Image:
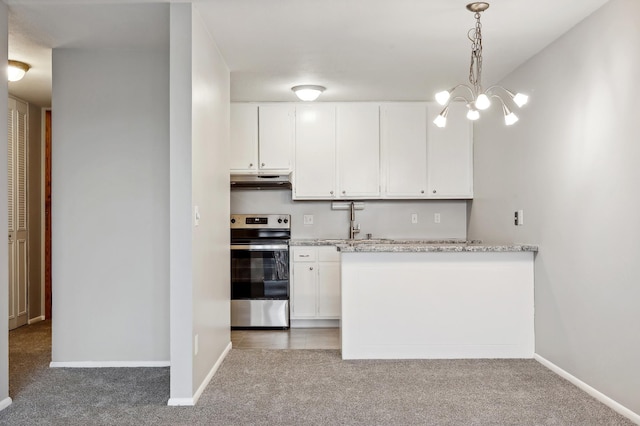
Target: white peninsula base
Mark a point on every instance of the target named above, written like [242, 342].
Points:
[438, 305]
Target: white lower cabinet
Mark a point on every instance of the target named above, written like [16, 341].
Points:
[315, 283]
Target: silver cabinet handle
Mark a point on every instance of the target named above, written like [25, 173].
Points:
[311, 268]
[344, 192]
[262, 164]
[250, 164]
[304, 255]
[331, 192]
[422, 192]
[434, 191]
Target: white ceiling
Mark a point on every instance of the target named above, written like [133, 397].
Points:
[358, 49]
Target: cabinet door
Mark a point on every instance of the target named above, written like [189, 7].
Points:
[358, 150]
[315, 167]
[303, 289]
[329, 289]
[244, 137]
[276, 133]
[450, 154]
[404, 150]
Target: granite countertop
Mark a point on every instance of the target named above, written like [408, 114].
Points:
[413, 246]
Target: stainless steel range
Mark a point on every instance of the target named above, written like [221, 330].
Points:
[260, 271]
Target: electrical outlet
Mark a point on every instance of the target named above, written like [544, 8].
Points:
[307, 219]
[195, 345]
[414, 217]
[436, 217]
[518, 218]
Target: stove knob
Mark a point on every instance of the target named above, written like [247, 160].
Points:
[279, 220]
[233, 221]
[286, 221]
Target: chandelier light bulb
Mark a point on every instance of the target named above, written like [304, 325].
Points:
[473, 114]
[483, 102]
[520, 99]
[443, 97]
[441, 119]
[509, 117]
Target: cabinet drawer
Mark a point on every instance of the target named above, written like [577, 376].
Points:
[328, 254]
[304, 255]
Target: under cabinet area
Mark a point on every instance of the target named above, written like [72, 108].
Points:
[262, 138]
[315, 284]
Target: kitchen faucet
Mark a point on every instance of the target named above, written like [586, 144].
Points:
[353, 228]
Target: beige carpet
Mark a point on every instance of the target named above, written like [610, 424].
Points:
[299, 387]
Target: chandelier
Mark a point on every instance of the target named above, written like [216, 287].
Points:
[478, 99]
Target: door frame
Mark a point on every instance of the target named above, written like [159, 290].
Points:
[45, 217]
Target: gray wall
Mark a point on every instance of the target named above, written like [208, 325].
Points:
[381, 218]
[571, 163]
[35, 212]
[4, 260]
[199, 177]
[110, 199]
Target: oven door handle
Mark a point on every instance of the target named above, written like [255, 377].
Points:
[259, 247]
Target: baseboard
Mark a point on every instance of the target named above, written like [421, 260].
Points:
[5, 403]
[194, 400]
[35, 320]
[108, 364]
[615, 406]
[315, 323]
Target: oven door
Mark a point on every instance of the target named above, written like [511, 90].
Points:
[260, 270]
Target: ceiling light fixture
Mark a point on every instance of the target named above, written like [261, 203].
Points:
[17, 70]
[480, 99]
[308, 92]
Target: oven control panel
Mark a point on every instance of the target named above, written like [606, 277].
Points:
[256, 221]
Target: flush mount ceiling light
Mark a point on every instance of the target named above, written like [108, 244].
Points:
[308, 92]
[17, 70]
[479, 99]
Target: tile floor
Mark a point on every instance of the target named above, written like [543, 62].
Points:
[294, 338]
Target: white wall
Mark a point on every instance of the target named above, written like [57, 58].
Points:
[199, 177]
[110, 216]
[4, 260]
[571, 163]
[382, 219]
[211, 275]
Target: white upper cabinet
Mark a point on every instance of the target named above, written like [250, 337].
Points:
[404, 150]
[337, 151]
[358, 150]
[315, 152]
[421, 160]
[450, 153]
[262, 137]
[276, 136]
[244, 137]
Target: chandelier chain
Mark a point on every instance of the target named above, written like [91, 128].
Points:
[475, 69]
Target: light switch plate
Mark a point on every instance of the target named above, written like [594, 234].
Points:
[196, 216]
[307, 219]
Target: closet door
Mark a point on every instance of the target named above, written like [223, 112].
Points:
[17, 211]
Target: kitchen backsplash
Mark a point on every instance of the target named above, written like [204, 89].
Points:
[381, 218]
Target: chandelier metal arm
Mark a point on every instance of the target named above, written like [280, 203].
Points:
[466, 86]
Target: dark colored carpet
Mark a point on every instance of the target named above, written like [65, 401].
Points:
[297, 387]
